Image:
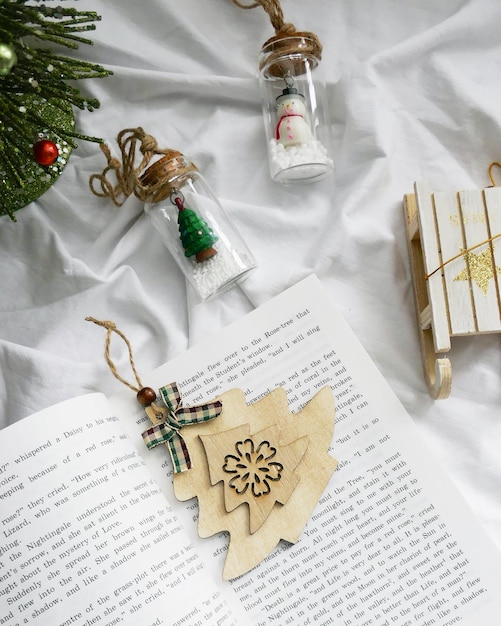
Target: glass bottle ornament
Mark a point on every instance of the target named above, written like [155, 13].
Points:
[295, 108]
[193, 225]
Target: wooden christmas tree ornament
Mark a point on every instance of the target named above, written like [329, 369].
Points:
[456, 265]
[258, 472]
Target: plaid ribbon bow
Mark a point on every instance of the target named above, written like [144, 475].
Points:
[168, 431]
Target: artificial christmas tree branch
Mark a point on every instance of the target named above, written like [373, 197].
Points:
[35, 98]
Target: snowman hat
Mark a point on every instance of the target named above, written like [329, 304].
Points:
[288, 92]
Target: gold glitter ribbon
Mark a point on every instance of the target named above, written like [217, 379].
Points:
[491, 167]
[462, 253]
[478, 245]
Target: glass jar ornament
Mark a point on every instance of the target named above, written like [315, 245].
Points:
[193, 225]
[294, 101]
[183, 209]
[295, 110]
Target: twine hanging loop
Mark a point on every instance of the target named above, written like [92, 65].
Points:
[168, 418]
[287, 40]
[145, 395]
[139, 172]
[275, 13]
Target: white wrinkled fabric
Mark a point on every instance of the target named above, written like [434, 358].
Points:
[413, 93]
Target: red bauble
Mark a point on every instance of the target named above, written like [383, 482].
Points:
[45, 152]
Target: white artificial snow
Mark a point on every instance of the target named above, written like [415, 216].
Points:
[220, 272]
[308, 160]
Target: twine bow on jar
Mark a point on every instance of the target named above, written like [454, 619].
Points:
[287, 40]
[144, 180]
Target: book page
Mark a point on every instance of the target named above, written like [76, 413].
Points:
[86, 535]
[391, 540]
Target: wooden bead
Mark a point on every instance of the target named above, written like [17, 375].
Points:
[146, 396]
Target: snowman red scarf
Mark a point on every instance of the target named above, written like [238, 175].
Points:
[277, 127]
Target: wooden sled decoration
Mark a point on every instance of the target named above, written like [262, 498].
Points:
[258, 472]
[456, 267]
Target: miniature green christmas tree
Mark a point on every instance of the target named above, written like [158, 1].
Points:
[196, 236]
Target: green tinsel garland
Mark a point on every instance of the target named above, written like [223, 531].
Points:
[35, 99]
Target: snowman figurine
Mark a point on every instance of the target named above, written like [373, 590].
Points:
[291, 128]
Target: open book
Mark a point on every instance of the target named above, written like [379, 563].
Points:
[91, 532]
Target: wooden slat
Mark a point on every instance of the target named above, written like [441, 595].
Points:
[451, 238]
[413, 227]
[437, 371]
[492, 198]
[425, 318]
[481, 282]
[416, 257]
[432, 260]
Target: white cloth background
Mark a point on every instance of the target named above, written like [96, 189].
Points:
[413, 94]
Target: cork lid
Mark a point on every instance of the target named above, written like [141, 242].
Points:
[292, 52]
[166, 175]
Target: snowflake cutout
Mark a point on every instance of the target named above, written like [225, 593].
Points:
[253, 468]
[258, 472]
[249, 471]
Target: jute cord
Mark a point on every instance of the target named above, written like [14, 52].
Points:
[133, 143]
[275, 13]
[110, 329]
[283, 29]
